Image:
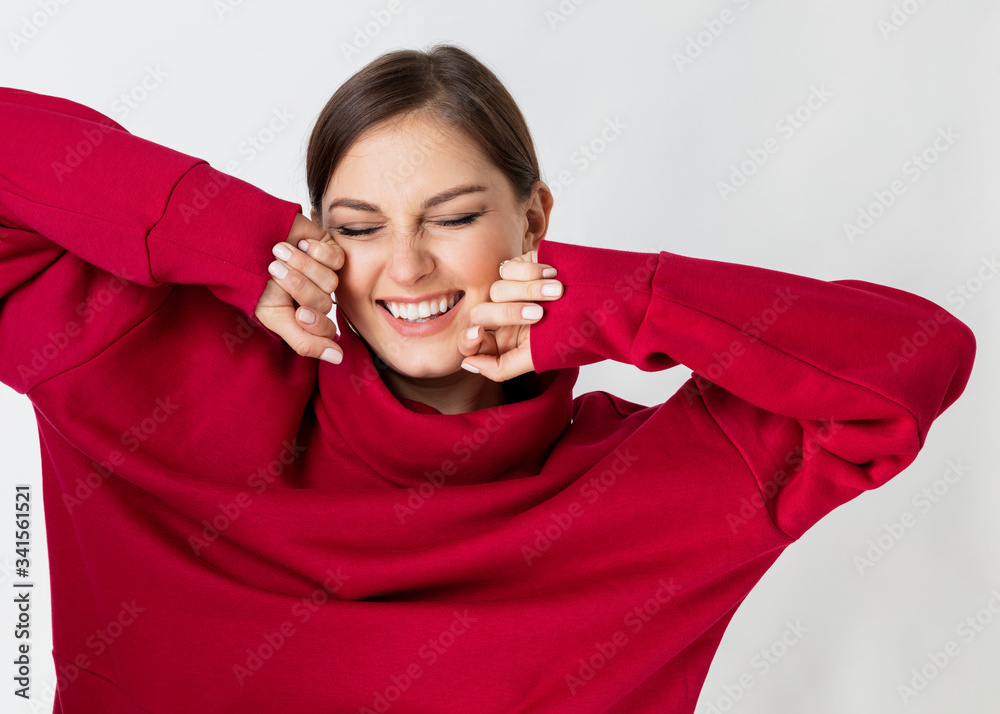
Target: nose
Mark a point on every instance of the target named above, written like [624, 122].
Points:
[409, 260]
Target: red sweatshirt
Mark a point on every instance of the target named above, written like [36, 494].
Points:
[235, 528]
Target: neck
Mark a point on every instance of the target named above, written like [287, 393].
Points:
[455, 393]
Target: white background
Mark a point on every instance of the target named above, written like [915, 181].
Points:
[224, 70]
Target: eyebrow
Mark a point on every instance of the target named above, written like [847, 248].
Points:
[442, 197]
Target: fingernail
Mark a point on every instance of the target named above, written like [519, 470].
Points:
[277, 270]
[531, 312]
[307, 317]
[281, 251]
[331, 355]
[549, 273]
[303, 245]
[472, 333]
[552, 289]
[470, 368]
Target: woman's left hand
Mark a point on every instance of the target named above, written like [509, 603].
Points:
[505, 351]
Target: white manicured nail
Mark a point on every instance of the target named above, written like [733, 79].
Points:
[531, 312]
[277, 270]
[331, 355]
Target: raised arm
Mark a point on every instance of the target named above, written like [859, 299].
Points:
[74, 181]
[827, 389]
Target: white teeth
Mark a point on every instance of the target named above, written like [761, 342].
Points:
[423, 310]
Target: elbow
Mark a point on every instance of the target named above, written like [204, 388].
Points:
[935, 365]
[961, 354]
[930, 363]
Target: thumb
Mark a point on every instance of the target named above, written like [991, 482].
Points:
[500, 368]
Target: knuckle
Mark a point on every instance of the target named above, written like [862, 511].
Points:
[331, 255]
[295, 282]
[325, 327]
[319, 302]
[299, 259]
[320, 252]
[302, 345]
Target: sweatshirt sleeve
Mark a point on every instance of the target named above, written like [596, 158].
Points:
[131, 207]
[73, 180]
[826, 388]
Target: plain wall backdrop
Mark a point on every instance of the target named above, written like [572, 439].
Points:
[849, 139]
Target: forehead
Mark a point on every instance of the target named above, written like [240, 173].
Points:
[410, 156]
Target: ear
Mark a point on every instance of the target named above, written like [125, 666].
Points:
[536, 211]
[312, 216]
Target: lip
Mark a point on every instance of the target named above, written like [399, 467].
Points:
[421, 329]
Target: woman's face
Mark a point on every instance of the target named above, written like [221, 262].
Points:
[422, 216]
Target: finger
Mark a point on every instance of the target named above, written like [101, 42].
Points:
[482, 342]
[315, 324]
[281, 321]
[492, 315]
[326, 251]
[471, 339]
[276, 311]
[525, 267]
[301, 287]
[523, 291]
[274, 296]
[500, 368]
[323, 273]
[303, 227]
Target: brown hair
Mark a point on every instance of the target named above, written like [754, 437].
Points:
[444, 81]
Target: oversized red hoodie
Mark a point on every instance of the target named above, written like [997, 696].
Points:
[235, 528]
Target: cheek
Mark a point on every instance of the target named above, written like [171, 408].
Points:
[483, 263]
[357, 276]
[476, 272]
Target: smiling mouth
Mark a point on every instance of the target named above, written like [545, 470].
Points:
[424, 311]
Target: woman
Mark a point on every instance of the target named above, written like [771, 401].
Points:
[235, 526]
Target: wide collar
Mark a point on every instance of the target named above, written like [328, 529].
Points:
[410, 443]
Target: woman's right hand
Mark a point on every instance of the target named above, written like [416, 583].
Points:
[305, 279]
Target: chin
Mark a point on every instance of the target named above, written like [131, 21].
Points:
[427, 365]
[435, 361]
[428, 370]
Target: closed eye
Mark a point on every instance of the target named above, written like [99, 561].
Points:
[463, 221]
